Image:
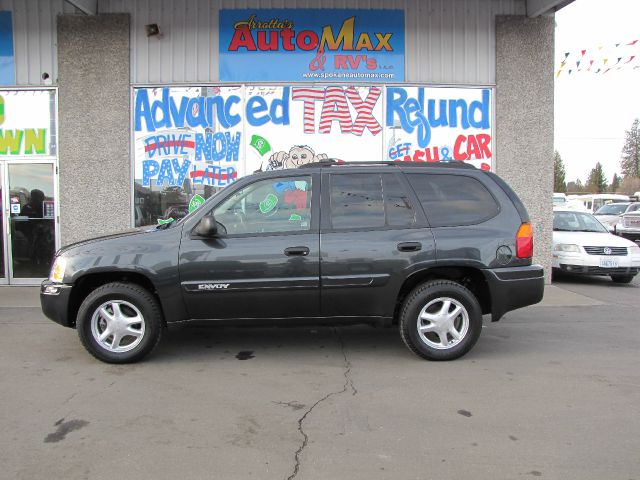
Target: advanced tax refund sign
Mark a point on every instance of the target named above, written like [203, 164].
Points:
[312, 45]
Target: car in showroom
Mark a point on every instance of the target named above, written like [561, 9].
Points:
[583, 246]
[609, 214]
[429, 247]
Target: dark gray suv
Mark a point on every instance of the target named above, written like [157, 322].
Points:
[430, 247]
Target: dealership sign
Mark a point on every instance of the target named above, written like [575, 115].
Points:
[312, 45]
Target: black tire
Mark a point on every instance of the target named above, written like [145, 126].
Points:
[126, 298]
[433, 295]
[622, 278]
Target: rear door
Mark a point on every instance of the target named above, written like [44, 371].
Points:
[372, 236]
[265, 261]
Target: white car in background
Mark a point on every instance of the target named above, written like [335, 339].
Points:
[582, 245]
[609, 214]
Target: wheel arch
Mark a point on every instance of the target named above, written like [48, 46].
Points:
[469, 277]
[85, 284]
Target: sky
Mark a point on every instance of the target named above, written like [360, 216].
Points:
[593, 111]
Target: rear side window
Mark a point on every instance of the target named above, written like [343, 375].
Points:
[369, 200]
[397, 205]
[356, 201]
[451, 200]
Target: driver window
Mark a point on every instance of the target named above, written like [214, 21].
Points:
[268, 206]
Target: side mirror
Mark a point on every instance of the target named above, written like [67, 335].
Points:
[208, 227]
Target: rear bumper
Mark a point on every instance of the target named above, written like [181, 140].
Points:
[513, 288]
[54, 299]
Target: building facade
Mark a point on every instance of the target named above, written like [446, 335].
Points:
[118, 114]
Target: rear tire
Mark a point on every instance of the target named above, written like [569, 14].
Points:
[440, 320]
[119, 323]
[622, 278]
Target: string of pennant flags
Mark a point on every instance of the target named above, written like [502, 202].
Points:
[601, 60]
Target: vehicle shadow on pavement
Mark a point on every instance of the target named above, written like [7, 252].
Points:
[246, 343]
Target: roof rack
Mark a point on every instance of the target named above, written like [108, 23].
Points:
[335, 162]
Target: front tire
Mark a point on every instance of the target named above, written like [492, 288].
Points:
[622, 278]
[119, 323]
[440, 320]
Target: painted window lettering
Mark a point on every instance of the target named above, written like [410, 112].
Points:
[192, 140]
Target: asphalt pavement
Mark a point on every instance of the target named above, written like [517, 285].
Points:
[550, 391]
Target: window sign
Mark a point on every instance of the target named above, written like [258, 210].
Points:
[25, 122]
[7, 67]
[312, 45]
[196, 140]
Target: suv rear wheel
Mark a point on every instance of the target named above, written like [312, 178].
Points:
[119, 323]
[440, 320]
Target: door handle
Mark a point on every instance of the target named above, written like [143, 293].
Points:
[296, 251]
[409, 246]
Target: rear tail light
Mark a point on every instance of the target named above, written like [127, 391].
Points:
[524, 241]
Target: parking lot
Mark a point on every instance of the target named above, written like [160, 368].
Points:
[550, 391]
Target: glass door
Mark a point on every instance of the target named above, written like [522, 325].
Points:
[4, 213]
[31, 239]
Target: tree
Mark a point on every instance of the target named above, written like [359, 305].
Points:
[575, 187]
[629, 185]
[559, 184]
[630, 162]
[615, 183]
[597, 183]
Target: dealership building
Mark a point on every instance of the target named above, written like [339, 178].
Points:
[116, 114]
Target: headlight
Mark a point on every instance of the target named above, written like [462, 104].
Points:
[566, 247]
[57, 270]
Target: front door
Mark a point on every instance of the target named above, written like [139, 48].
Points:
[28, 220]
[265, 261]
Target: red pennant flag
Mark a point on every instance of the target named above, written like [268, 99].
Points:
[633, 43]
[583, 52]
[630, 58]
[590, 65]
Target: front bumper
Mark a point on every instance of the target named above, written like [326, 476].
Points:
[54, 299]
[581, 263]
[513, 288]
[632, 234]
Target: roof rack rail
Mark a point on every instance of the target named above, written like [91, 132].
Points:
[335, 162]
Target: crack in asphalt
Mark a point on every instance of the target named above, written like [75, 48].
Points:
[348, 384]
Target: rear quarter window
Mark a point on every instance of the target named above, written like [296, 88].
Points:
[453, 200]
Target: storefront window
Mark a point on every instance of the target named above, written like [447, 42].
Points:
[197, 140]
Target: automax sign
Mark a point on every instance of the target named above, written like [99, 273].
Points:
[311, 45]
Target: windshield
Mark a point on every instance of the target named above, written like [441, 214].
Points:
[612, 209]
[559, 200]
[576, 222]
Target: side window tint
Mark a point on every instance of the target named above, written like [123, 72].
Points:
[450, 200]
[356, 201]
[399, 211]
[268, 206]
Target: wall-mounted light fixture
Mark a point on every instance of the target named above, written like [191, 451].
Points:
[152, 30]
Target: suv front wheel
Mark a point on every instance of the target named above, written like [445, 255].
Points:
[119, 323]
[440, 320]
